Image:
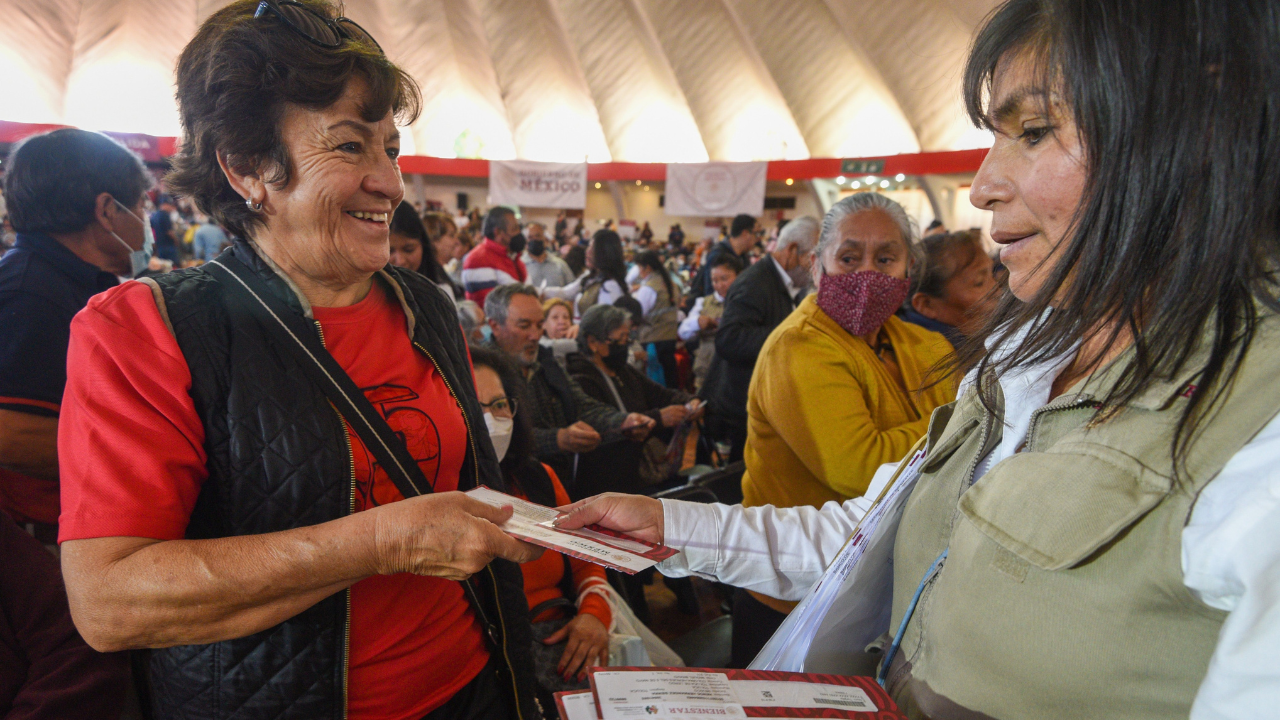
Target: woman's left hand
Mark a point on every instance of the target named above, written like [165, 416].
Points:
[588, 646]
[571, 333]
[673, 415]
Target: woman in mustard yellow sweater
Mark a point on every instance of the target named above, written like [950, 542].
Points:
[842, 386]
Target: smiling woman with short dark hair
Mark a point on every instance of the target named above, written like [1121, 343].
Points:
[218, 507]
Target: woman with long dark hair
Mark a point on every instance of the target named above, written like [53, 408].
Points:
[413, 249]
[607, 280]
[1094, 526]
[442, 232]
[660, 301]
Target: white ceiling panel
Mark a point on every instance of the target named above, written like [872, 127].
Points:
[562, 80]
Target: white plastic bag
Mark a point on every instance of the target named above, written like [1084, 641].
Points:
[631, 642]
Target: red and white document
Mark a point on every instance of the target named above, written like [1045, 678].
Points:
[668, 693]
[533, 523]
[577, 705]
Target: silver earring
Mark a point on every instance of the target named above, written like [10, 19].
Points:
[253, 206]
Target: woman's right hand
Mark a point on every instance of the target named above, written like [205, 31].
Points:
[446, 535]
[635, 515]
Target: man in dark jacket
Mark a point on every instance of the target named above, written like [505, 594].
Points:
[566, 421]
[76, 200]
[761, 298]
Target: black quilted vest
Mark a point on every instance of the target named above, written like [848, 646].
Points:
[278, 458]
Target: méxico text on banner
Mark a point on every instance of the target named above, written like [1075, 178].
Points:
[524, 183]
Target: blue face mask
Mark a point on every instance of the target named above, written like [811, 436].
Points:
[486, 332]
[138, 259]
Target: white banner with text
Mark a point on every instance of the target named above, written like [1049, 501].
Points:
[524, 183]
[715, 189]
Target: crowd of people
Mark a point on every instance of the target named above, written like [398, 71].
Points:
[586, 383]
[236, 406]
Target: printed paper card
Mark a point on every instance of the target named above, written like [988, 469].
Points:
[577, 705]
[661, 693]
[533, 523]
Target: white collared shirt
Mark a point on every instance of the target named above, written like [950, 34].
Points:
[1230, 551]
[792, 290]
[689, 326]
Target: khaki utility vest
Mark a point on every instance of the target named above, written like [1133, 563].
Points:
[714, 309]
[590, 296]
[1062, 592]
[663, 321]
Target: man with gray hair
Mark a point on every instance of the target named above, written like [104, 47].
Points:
[566, 421]
[761, 298]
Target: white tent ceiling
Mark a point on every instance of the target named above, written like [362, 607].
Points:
[560, 80]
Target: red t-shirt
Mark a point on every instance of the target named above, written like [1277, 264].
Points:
[131, 452]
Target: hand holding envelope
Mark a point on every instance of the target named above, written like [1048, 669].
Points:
[575, 537]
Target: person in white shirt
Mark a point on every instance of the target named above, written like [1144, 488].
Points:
[606, 281]
[1095, 530]
[704, 318]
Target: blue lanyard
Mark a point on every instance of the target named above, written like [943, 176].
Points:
[906, 617]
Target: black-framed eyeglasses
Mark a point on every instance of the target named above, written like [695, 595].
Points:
[502, 407]
[323, 31]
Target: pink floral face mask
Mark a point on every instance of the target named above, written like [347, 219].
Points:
[861, 301]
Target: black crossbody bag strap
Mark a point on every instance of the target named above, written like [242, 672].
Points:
[298, 337]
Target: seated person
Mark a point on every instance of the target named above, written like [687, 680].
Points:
[558, 324]
[637, 355]
[545, 267]
[412, 249]
[443, 245]
[566, 421]
[841, 386]
[659, 298]
[951, 288]
[558, 330]
[46, 669]
[554, 583]
[77, 200]
[704, 319]
[474, 327]
[602, 371]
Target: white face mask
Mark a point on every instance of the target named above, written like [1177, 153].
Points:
[500, 430]
[138, 259]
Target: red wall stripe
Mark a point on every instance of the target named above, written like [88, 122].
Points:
[926, 163]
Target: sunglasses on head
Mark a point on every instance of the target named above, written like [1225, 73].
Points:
[323, 31]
